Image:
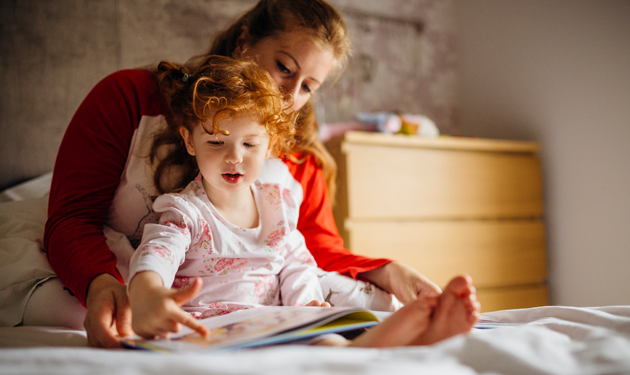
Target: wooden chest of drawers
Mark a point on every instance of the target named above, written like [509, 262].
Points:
[447, 206]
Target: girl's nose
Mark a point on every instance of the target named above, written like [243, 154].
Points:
[234, 156]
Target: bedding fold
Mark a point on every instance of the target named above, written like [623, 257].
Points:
[23, 263]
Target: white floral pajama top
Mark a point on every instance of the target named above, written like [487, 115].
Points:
[240, 267]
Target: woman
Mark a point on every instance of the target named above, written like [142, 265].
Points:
[98, 181]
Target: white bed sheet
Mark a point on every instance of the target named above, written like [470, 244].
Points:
[551, 340]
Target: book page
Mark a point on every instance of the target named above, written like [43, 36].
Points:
[247, 327]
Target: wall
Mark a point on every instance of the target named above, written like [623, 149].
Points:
[53, 53]
[403, 59]
[548, 71]
[557, 72]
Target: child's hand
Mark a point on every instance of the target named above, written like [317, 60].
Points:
[156, 310]
[316, 303]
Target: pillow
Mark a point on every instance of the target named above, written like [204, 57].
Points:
[38, 187]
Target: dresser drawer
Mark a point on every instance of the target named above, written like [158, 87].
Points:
[495, 253]
[417, 183]
[519, 297]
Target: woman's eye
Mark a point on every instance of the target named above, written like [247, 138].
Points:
[306, 88]
[283, 68]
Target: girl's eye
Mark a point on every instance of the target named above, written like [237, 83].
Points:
[283, 68]
[215, 143]
[250, 145]
[306, 88]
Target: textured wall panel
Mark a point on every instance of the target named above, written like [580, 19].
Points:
[53, 53]
[404, 59]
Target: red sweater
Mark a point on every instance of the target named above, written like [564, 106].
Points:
[88, 168]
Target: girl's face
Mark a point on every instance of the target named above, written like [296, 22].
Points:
[230, 163]
[297, 64]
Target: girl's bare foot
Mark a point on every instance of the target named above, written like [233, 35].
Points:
[424, 321]
[401, 328]
[457, 312]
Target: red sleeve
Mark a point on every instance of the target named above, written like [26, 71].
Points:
[317, 224]
[89, 164]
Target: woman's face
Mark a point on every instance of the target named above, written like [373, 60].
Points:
[297, 64]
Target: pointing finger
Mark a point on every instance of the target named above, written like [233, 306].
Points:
[194, 324]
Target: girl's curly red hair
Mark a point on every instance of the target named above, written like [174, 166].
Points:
[221, 88]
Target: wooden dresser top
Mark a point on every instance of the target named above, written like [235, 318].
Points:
[442, 142]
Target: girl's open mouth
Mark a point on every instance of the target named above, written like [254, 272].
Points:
[232, 178]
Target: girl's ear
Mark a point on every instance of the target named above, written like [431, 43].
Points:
[187, 137]
[241, 42]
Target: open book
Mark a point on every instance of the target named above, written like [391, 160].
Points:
[262, 326]
[270, 325]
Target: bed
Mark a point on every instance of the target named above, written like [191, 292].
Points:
[552, 340]
[543, 340]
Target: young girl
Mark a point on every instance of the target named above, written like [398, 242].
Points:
[230, 235]
[230, 225]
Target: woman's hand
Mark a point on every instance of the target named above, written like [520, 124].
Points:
[403, 281]
[156, 310]
[108, 312]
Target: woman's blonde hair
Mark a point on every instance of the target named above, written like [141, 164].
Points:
[220, 88]
[324, 25]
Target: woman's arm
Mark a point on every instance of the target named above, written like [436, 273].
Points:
[89, 164]
[88, 168]
[317, 224]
